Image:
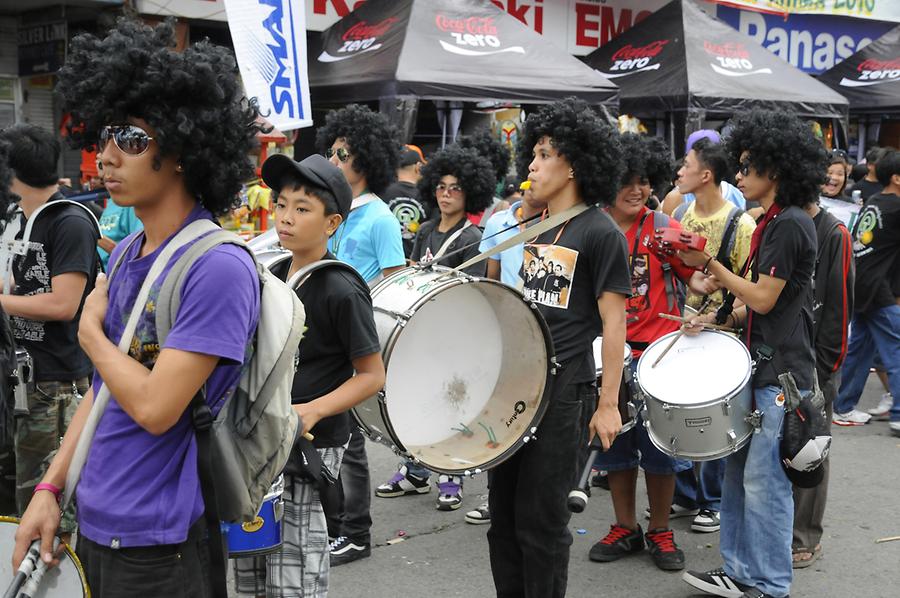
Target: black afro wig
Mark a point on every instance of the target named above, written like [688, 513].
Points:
[372, 139]
[6, 176]
[635, 156]
[193, 100]
[473, 171]
[783, 147]
[486, 144]
[590, 145]
[649, 159]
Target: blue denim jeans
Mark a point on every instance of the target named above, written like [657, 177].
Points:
[758, 506]
[878, 329]
[701, 486]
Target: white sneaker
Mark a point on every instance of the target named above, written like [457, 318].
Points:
[676, 512]
[884, 407]
[852, 418]
[895, 428]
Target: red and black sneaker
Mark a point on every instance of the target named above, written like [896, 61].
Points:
[664, 551]
[619, 542]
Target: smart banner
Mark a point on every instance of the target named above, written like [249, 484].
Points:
[269, 39]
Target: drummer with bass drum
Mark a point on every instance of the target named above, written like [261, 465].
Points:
[781, 166]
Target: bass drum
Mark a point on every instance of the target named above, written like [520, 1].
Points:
[65, 581]
[468, 362]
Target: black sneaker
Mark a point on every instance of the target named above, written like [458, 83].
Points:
[346, 550]
[619, 542]
[600, 480]
[754, 593]
[715, 582]
[664, 551]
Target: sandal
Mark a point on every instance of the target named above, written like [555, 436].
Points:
[804, 557]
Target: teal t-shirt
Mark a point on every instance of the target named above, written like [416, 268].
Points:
[369, 240]
[117, 223]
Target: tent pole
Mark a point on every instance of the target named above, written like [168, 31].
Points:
[861, 133]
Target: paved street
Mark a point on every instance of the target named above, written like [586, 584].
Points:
[442, 555]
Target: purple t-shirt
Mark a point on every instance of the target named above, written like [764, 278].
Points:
[138, 489]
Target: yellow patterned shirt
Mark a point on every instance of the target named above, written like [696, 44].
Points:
[713, 227]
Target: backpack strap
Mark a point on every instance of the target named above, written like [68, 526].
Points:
[660, 220]
[729, 237]
[29, 224]
[303, 274]
[681, 210]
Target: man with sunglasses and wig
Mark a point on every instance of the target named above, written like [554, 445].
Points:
[781, 166]
[174, 139]
[51, 281]
[364, 145]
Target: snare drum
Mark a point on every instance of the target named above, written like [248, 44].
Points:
[698, 397]
[467, 362]
[67, 580]
[262, 535]
[629, 401]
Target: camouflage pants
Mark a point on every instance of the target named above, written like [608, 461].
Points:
[51, 406]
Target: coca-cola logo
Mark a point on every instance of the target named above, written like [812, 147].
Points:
[629, 52]
[874, 72]
[727, 50]
[363, 30]
[879, 65]
[471, 25]
[472, 36]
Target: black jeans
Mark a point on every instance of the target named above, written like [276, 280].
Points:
[355, 489]
[529, 538]
[170, 570]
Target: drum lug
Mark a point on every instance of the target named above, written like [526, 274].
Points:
[755, 419]
[732, 439]
[278, 508]
[554, 366]
[667, 410]
[673, 444]
[726, 407]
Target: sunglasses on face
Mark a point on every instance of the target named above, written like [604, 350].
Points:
[453, 189]
[342, 153]
[130, 139]
[745, 168]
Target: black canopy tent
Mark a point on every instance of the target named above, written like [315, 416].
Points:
[444, 49]
[686, 64]
[870, 80]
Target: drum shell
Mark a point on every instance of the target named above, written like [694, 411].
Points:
[516, 404]
[263, 535]
[630, 403]
[706, 429]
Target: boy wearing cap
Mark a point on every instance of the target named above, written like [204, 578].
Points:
[340, 366]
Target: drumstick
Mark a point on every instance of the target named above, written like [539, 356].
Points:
[704, 324]
[666, 350]
[32, 557]
[31, 586]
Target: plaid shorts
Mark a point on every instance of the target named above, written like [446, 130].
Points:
[300, 568]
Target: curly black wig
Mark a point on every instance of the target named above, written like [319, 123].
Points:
[373, 141]
[6, 175]
[474, 172]
[589, 144]
[486, 144]
[783, 147]
[193, 100]
[635, 157]
[660, 165]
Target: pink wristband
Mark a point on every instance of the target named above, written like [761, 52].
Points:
[50, 488]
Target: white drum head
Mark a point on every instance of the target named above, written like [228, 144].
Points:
[696, 370]
[598, 355]
[65, 581]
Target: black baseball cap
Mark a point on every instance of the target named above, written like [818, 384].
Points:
[411, 154]
[316, 169]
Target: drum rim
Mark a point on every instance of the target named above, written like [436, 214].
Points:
[734, 392]
[738, 445]
[543, 402]
[79, 568]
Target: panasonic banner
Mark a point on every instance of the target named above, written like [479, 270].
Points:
[270, 44]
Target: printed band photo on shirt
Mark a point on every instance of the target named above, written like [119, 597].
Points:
[640, 284]
[548, 271]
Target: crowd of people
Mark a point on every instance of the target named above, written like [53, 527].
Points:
[815, 298]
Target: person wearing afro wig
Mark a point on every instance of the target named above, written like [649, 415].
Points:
[363, 144]
[487, 145]
[781, 165]
[572, 158]
[461, 183]
[173, 133]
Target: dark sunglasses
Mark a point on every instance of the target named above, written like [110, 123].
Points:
[343, 153]
[131, 139]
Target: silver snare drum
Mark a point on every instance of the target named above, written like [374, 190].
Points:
[467, 364]
[698, 397]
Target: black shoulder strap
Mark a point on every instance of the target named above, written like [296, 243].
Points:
[728, 237]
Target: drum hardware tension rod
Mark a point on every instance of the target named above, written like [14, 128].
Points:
[705, 325]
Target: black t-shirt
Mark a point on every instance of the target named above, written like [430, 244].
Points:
[430, 239]
[63, 240]
[876, 247]
[868, 188]
[589, 256]
[402, 198]
[339, 328]
[787, 251]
